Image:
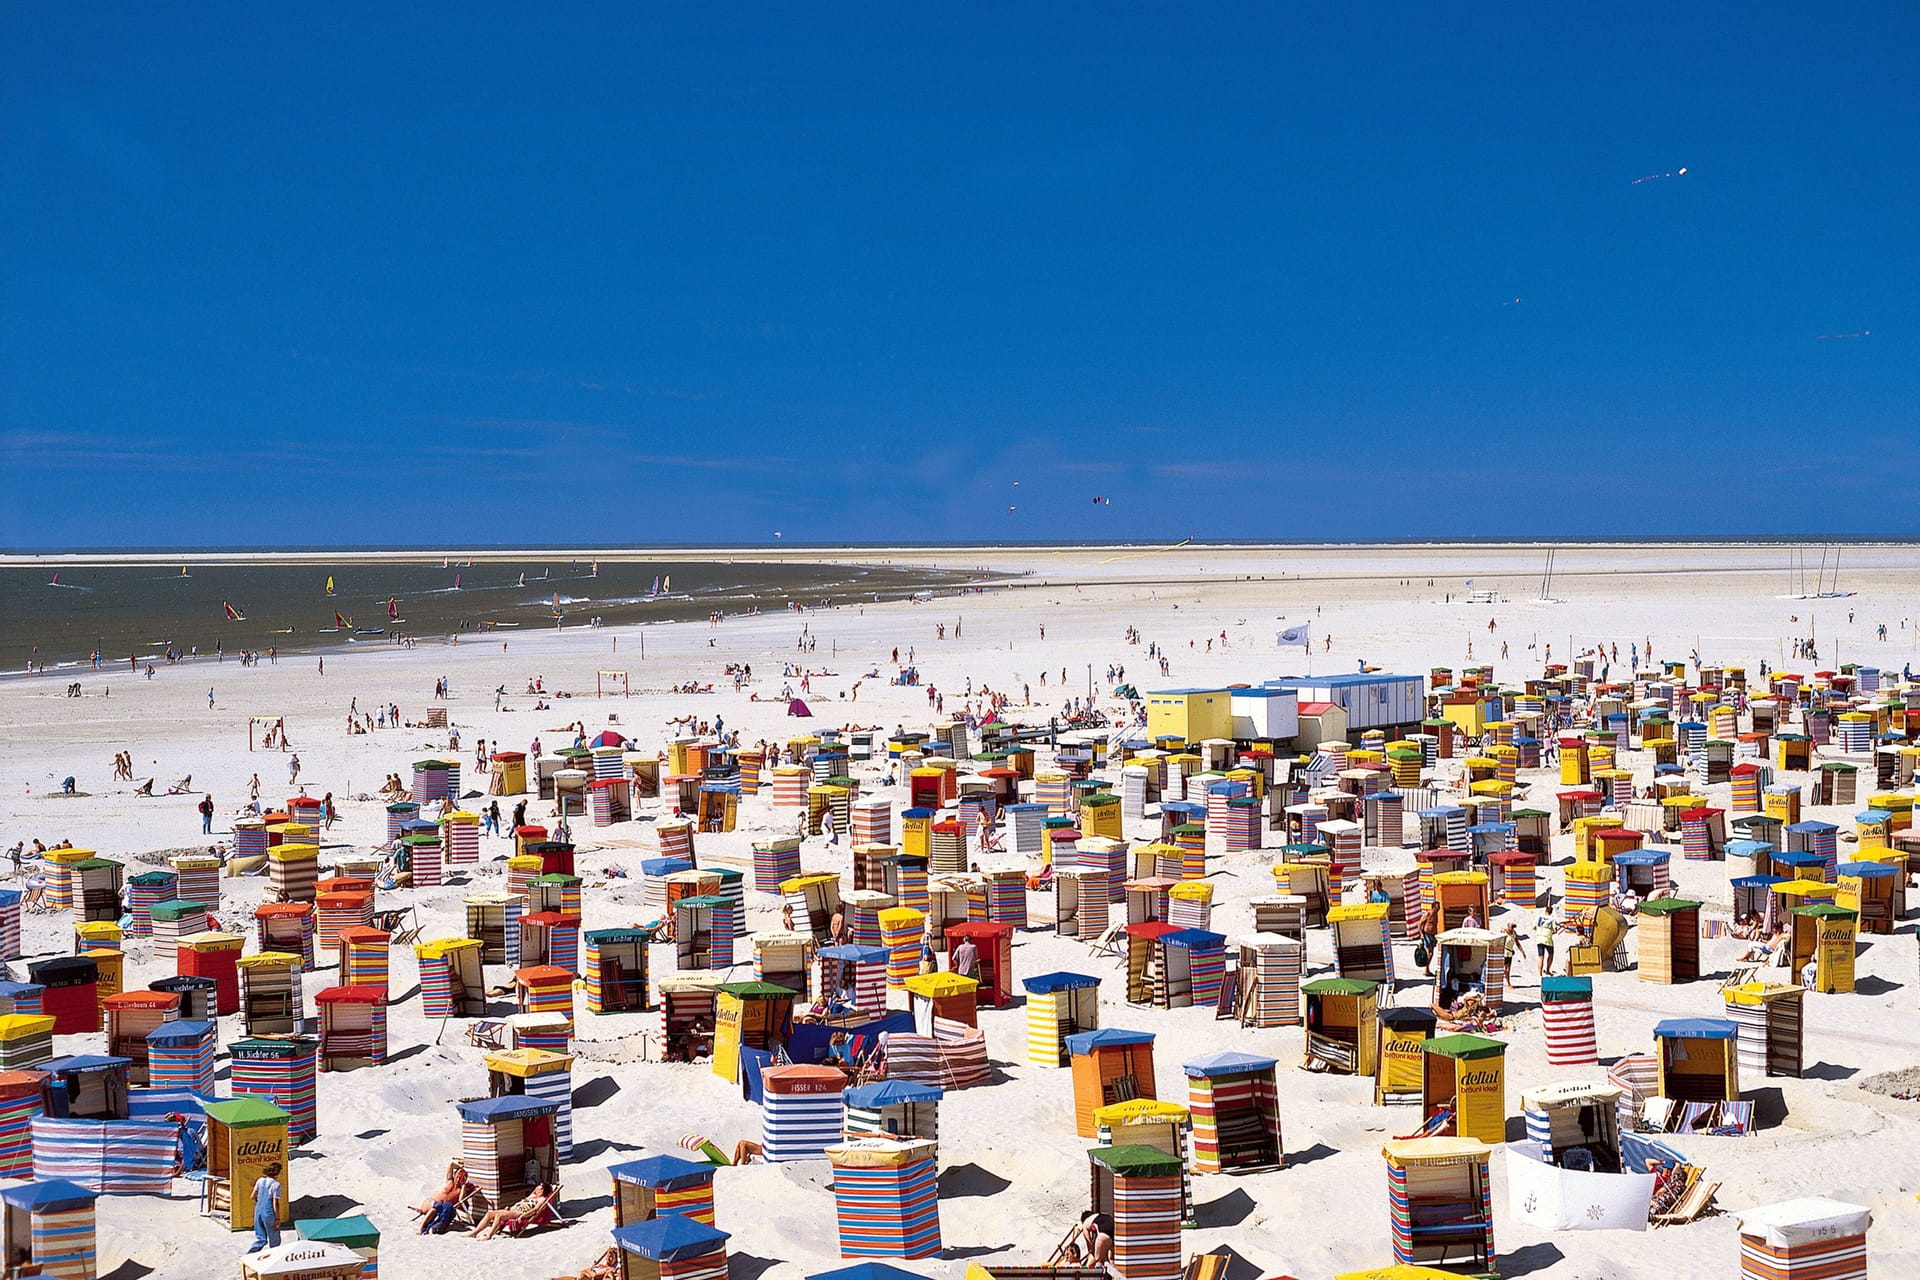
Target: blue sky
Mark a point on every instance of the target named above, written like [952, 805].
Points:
[632, 274]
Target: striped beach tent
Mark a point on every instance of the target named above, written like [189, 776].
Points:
[59, 1236]
[1059, 1005]
[22, 1095]
[180, 1055]
[537, 1073]
[953, 1057]
[1566, 1014]
[886, 1196]
[284, 1070]
[656, 1185]
[114, 1157]
[801, 1111]
[1144, 1192]
[1809, 1239]
[1236, 1112]
[672, 1247]
[893, 1109]
[495, 1140]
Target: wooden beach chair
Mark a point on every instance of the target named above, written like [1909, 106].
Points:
[400, 922]
[1691, 1200]
[1108, 943]
[545, 1213]
[1207, 1266]
[487, 1033]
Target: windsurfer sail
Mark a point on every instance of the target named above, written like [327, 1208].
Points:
[329, 584]
[343, 623]
[393, 606]
[233, 614]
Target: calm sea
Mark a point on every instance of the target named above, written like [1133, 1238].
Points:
[61, 618]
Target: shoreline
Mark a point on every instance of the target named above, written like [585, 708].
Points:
[865, 553]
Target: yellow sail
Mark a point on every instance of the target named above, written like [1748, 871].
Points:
[329, 584]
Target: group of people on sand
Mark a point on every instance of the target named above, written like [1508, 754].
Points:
[457, 1193]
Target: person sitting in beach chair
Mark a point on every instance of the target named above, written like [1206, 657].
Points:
[534, 1210]
[439, 1211]
[605, 1267]
[181, 787]
[145, 788]
[35, 899]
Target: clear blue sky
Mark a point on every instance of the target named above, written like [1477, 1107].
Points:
[643, 273]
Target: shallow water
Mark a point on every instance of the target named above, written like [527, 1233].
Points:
[140, 610]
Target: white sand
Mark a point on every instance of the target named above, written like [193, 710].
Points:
[1015, 1172]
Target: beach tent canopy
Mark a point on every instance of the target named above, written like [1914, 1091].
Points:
[608, 738]
[867, 1271]
[665, 1172]
[798, 708]
[1229, 1062]
[1087, 1041]
[671, 1235]
[48, 1196]
[892, 1093]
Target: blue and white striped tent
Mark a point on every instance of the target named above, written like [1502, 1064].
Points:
[801, 1111]
[59, 1237]
[114, 1157]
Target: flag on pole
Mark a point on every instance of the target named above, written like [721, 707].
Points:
[1294, 635]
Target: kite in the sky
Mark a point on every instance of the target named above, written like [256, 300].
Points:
[1681, 172]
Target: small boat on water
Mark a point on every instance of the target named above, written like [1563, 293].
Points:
[370, 631]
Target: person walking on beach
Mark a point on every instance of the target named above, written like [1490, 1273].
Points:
[293, 770]
[1429, 935]
[206, 815]
[326, 808]
[209, 697]
[965, 959]
[266, 1209]
[253, 794]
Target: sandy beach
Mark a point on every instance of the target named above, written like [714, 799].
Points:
[1044, 627]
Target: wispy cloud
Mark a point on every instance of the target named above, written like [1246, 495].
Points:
[68, 451]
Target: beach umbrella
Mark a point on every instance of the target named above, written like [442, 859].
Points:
[320, 1260]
